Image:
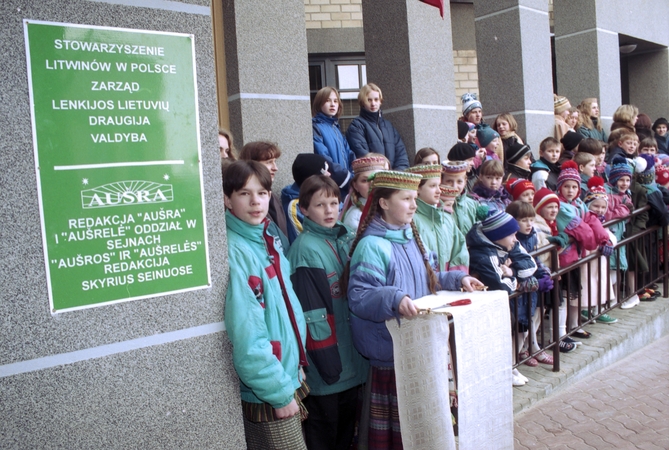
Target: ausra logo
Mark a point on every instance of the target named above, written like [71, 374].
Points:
[125, 193]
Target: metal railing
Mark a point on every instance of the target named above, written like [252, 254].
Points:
[647, 239]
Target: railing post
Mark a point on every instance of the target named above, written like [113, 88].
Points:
[664, 261]
[555, 313]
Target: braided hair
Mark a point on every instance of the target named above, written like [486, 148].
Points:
[361, 230]
[433, 283]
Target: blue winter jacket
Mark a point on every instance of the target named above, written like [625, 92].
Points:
[486, 258]
[371, 133]
[330, 143]
[386, 265]
[530, 243]
[291, 206]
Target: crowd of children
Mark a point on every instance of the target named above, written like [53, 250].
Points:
[359, 235]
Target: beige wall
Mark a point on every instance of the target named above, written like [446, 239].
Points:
[466, 74]
[333, 13]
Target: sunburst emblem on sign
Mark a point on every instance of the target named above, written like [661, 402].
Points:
[135, 192]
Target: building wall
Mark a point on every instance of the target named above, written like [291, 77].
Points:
[149, 373]
[333, 13]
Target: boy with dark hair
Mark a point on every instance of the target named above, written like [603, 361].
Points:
[547, 169]
[595, 148]
[336, 370]
[304, 166]
[263, 316]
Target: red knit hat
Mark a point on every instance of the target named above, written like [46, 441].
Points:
[517, 186]
[569, 172]
[544, 197]
[596, 190]
[662, 175]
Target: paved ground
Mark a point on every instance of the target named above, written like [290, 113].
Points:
[623, 406]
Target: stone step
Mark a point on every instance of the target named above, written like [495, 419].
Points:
[636, 328]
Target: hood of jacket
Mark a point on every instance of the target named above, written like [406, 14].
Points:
[338, 234]
[434, 214]
[528, 241]
[381, 228]
[325, 119]
[253, 233]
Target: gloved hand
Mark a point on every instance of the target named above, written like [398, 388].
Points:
[528, 285]
[607, 249]
[545, 283]
[561, 240]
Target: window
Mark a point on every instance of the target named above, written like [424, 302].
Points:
[348, 73]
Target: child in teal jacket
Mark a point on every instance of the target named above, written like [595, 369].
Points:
[263, 316]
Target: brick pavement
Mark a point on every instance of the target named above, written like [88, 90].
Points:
[623, 406]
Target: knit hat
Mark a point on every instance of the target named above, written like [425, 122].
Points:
[660, 121]
[544, 197]
[619, 168]
[595, 190]
[368, 163]
[569, 171]
[662, 175]
[449, 191]
[463, 129]
[516, 187]
[308, 164]
[570, 140]
[639, 164]
[469, 102]
[395, 180]
[427, 171]
[486, 135]
[515, 152]
[498, 225]
[647, 176]
[461, 152]
[455, 166]
[560, 104]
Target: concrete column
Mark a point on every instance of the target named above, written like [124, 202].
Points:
[649, 83]
[268, 78]
[587, 57]
[409, 55]
[514, 61]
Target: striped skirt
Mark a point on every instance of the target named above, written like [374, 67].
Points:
[264, 431]
[384, 419]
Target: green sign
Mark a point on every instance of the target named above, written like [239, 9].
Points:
[117, 155]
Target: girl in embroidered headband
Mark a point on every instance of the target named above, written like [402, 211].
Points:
[355, 201]
[389, 267]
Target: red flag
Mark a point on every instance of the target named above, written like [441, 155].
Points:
[438, 3]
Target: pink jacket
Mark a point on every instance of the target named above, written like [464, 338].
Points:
[618, 206]
[581, 231]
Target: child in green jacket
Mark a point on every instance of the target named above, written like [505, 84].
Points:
[336, 370]
[263, 316]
